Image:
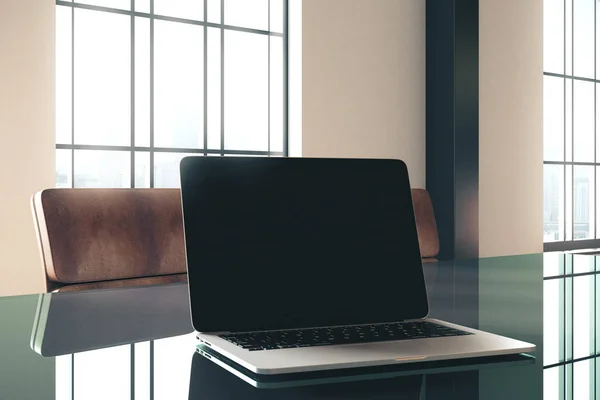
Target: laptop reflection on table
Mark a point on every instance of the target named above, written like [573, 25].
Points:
[214, 374]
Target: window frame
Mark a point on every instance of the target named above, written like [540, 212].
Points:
[151, 149]
[573, 244]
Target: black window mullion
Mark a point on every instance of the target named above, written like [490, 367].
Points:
[573, 77]
[132, 369]
[132, 88]
[269, 80]
[574, 163]
[72, 96]
[595, 201]
[285, 78]
[222, 77]
[151, 93]
[165, 18]
[565, 119]
[205, 77]
[72, 376]
[152, 359]
[155, 149]
[572, 122]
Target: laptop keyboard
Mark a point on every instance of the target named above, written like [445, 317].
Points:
[286, 339]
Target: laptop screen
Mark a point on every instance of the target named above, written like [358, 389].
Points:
[277, 243]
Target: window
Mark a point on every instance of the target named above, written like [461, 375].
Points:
[570, 348]
[142, 83]
[571, 146]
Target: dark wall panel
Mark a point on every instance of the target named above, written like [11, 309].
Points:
[452, 104]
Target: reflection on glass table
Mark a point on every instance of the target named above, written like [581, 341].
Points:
[355, 374]
[68, 323]
[571, 326]
[170, 369]
[506, 295]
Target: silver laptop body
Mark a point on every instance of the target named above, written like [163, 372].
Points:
[283, 244]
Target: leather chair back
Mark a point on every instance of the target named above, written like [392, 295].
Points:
[429, 240]
[96, 235]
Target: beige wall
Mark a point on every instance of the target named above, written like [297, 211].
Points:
[26, 135]
[363, 80]
[510, 125]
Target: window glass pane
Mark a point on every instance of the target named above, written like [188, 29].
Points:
[214, 88]
[553, 316]
[247, 13]
[583, 316]
[569, 202]
[597, 214]
[554, 120]
[179, 85]
[553, 383]
[214, 11]
[568, 382]
[63, 75]
[142, 169]
[583, 120]
[569, 119]
[63, 169]
[172, 360]
[63, 377]
[276, 99]
[102, 78]
[568, 348]
[554, 264]
[120, 4]
[102, 169]
[582, 263]
[142, 6]
[597, 42]
[597, 121]
[188, 9]
[246, 91]
[583, 202]
[276, 15]
[554, 206]
[93, 369]
[142, 371]
[583, 38]
[554, 41]
[583, 380]
[597, 310]
[142, 82]
[569, 37]
[166, 169]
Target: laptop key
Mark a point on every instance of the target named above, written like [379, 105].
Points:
[256, 341]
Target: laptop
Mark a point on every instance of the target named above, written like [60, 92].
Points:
[306, 264]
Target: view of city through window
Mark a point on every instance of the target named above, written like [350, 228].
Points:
[142, 83]
[571, 148]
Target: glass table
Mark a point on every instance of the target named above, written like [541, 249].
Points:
[138, 343]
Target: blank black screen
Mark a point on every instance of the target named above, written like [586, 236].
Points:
[276, 243]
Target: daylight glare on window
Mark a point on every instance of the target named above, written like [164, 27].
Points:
[571, 147]
[141, 84]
